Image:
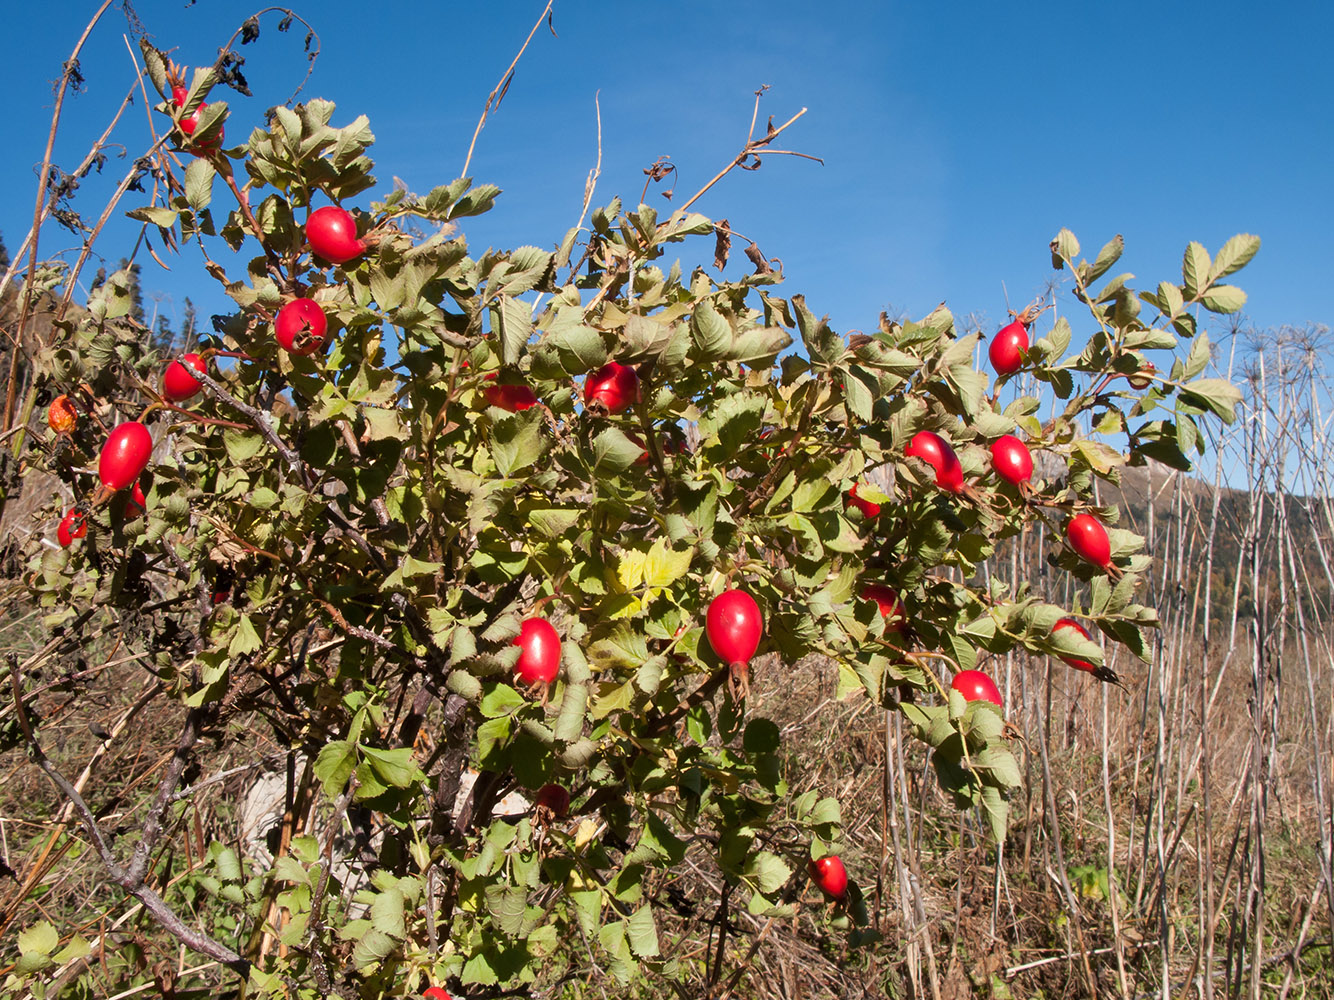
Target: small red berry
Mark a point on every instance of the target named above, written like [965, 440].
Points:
[177, 382]
[1074, 661]
[436, 993]
[734, 625]
[539, 656]
[332, 234]
[613, 387]
[974, 685]
[190, 122]
[1006, 346]
[887, 600]
[1089, 539]
[136, 504]
[936, 452]
[506, 396]
[868, 508]
[554, 798]
[300, 326]
[830, 875]
[1011, 459]
[125, 455]
[73, 525]
[1143, 378]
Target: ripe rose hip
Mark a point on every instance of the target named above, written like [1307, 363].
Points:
[125, 455]
[61, 416]
[177, 382]
[1006, 346]
[73, 525]
[887, 600]
[300, 327]
[508, 397]
[332, 234]
[136, 504]
[1089, 539]
[539, 656]
[974, 685]
[1011, 459]
[936, 452]
[1074, 661]
[867, 507]
[734, 625]
[190, 122]
[830, 875]
[436, 993]
[554, 798]
[613, 387]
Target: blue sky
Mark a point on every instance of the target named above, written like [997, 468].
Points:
[957, 138]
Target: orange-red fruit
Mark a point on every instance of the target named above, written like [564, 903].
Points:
[974, 685]
[436, 993]
[190, 122]
[61, 415]
[936, 452]
[555, 798]
[73, 525]
[1011, 459]
[1006, 346]
[300, 326]
[734, 625]
[539, 657]
[1074, 661]
[508, 397]
[868, 508]
[614, 387]
[332, 234]
[887, 600]
[125, 455]
[1089, 539]
[177, 382]
[830, 875]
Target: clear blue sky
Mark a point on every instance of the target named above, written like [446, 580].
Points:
[957, 138]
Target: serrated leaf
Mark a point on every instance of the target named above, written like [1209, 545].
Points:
[642, 933]
[1216, 394]
[1235, 254]
[1223, 299]
[1194, 270]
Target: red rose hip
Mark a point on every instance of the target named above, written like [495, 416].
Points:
[613, 387]
[300, 327]
[974, 685]
[830, 875]
[539, 652]
[1004, 349]
[125, 455]
[868, 508]
[332, 234]
[73, 525]
[1089, 539]
[936, 452]
[178, 383]
[1011, 460]
[887, 600]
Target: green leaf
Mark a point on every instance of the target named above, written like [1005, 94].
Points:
[39, 939]
[614, 452]
[1216, 394]
[1107, 256]
[1235, 254]
[395, 767]
[334, 766]
[1063, 248]
[711, 331]
[1194, 270]
[199, 183]
[513, 318]
[642, 933]
[245, 639]
[768, 871]
[1223, 299]
[517, 441]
